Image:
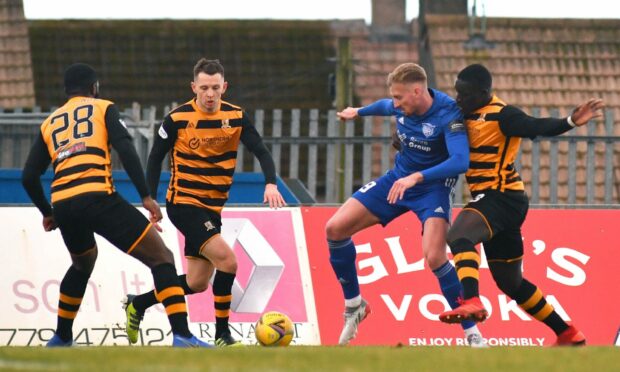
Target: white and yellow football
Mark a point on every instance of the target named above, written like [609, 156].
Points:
[274, 329]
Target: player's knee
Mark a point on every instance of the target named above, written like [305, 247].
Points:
[86, 268]
[199, 288]
[452, 236]
[459, 245]
[152, 251]
[507, 276]
[85, 262]
[330, 229]
[227, 266]
[159, 257]
[435, 259]
[508, 285]
[230, 265]
[199, 285]
[226, 262]
[166, 256]
[334, 230]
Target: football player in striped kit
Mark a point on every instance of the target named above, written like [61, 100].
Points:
[202, 137]
[499, 203]
[76, 139]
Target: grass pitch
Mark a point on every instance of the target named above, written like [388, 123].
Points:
[310, 358]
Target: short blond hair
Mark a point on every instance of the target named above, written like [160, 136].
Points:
[407, 73]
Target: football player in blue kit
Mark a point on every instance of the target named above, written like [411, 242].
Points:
[433, 151]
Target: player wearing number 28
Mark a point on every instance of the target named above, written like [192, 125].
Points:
[433, 151]
[76, 139]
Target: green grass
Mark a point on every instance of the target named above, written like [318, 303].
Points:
[306, 358]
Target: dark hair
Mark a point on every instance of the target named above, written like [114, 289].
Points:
[477, 75]
[79, 78]
[209, 67]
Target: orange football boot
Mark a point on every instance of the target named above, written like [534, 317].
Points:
[470, 309]
[571, 337]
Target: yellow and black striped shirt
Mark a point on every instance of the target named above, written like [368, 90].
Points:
[203, 154]
[495, 133]
[491, 153]
[77, 141]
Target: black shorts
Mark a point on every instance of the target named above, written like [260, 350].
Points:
[110, 216]
[504, 213]
[198, 225]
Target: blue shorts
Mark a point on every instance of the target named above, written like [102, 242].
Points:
[430, 200]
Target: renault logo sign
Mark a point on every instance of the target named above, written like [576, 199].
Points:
[267, 266]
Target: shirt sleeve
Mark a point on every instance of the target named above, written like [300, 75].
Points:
[515, 123]
[36, 164]
[457, 146]
[117, 129]
[121, 141]
[253, 141]
[162, 144]
[382, 107]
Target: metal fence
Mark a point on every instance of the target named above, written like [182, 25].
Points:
[332, 158]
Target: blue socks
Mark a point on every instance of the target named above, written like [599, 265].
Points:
[342, 257]
[451, 287]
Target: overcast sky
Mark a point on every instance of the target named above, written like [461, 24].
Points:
[298, 9]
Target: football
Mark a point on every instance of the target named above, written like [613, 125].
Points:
[274, 329]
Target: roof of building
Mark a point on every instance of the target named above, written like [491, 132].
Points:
[535, 62]
[16, 88]
[268, 64]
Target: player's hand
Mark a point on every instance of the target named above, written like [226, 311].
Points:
[154, 211]
[49, 223]
[397, 191]
[347, 114]
[587, 111]
[273, 197]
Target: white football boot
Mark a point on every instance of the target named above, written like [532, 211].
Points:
[475, 340]
[352, 318]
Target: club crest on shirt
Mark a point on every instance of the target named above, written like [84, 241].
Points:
[456, 126]
[162, 132]
[194, 143]
[225, 123]
[209, 225]
[428, 129]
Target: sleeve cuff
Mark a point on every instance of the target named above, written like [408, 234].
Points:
[47, 211]
[570, 121]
